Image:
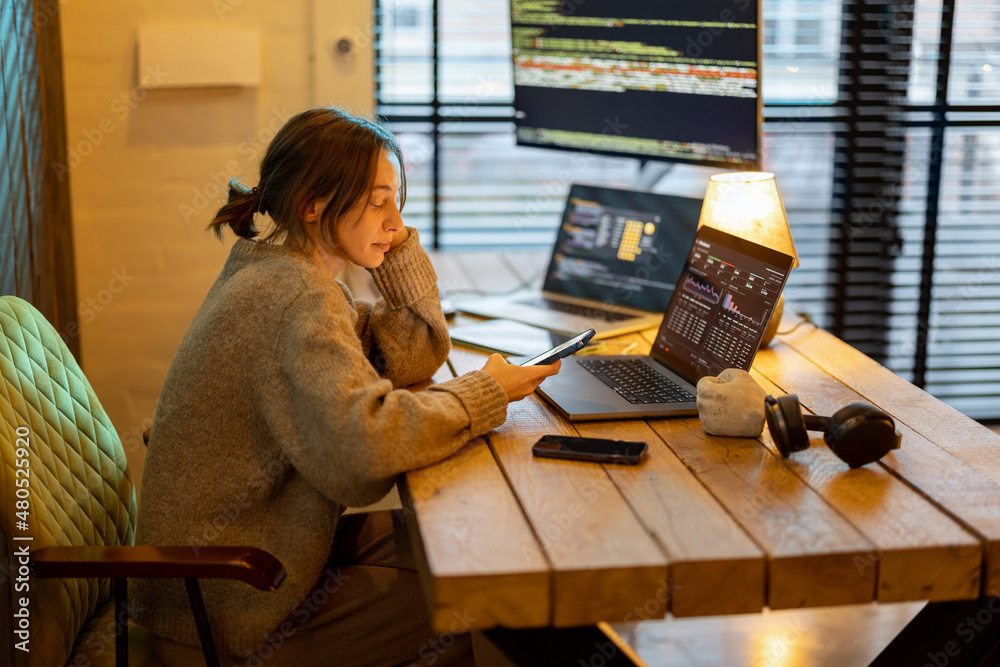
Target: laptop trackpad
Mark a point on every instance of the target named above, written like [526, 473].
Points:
[579, 392]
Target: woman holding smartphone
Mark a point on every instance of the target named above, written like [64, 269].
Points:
[286, 403]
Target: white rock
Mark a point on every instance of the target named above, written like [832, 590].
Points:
[731, 404]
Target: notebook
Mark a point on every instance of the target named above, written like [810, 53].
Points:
[613, 267]
[722, 302]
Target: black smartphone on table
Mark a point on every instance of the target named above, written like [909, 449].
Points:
[574, 344]
[601, 450]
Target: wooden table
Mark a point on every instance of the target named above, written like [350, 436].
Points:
[710, 525]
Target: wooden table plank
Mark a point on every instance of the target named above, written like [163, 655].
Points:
[947, 456]
[963, 438]
[715, 568]
[605, 564]
[920, 552]
[500, 575]
[811, 549]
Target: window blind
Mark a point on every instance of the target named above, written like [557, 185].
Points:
[881, 124]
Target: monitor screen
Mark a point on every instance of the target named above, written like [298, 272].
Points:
[677, 81]
[622, 247]
[724, 299]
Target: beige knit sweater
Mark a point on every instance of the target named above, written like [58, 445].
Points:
[282, 406]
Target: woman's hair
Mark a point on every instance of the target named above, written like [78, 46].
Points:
[318, 153]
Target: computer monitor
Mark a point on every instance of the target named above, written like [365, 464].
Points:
[676, 81]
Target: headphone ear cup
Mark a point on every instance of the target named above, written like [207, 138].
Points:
[860, 434]
[784, 421]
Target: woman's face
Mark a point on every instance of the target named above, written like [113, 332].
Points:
[368, 227]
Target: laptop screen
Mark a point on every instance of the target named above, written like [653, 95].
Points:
[724, 297]
[621, 247]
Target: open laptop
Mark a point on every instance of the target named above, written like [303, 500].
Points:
[613, 267]
[716, 316]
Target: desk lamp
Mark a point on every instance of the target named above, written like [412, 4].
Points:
[747, 204]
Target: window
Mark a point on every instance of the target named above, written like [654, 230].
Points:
[892, 189]
[807, 33]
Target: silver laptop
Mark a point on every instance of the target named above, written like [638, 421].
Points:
[613, 267]
[715, 319]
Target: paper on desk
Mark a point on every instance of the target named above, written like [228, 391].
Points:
[506, 336]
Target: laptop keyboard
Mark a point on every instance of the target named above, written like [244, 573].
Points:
[636, 381]
[574, 309]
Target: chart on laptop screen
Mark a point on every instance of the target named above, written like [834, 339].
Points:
[595, 234]
[611, 248]
[717, 318]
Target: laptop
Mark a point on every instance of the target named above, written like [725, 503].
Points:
[724, 298]
[613, 267]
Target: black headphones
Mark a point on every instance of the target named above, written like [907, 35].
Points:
[859, 433]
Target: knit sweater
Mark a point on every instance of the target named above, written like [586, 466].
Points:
[283, 405]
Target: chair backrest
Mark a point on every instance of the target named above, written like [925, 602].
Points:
[79, 488]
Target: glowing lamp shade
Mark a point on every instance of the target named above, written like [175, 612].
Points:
[748, 205]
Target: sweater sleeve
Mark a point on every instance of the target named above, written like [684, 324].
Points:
[347, 431]
[404, 333]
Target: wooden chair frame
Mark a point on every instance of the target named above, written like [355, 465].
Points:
[247, 564]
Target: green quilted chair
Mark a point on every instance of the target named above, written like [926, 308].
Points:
[66, 496]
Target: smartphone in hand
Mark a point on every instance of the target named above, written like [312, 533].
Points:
[601, 450]
[574, 344]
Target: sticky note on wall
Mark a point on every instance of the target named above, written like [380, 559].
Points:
[198, 57]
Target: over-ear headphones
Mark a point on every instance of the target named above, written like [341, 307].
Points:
[859, 433]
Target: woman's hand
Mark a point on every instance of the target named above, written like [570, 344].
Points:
[399, 237]
[518, 381]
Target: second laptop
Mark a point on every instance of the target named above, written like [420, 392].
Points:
[614, 265]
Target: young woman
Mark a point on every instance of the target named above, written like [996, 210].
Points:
[287, 403]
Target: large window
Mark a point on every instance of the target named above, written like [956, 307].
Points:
[891, 187]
